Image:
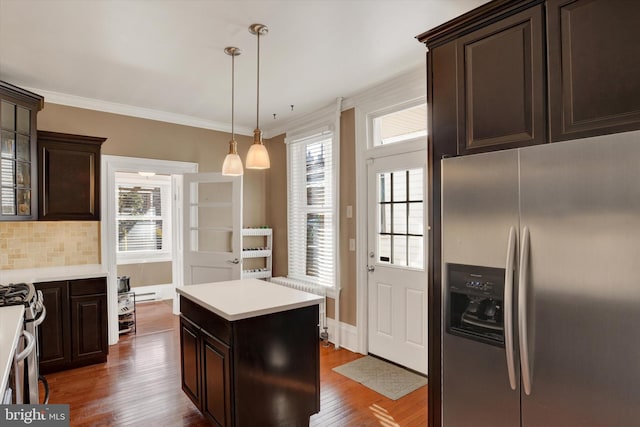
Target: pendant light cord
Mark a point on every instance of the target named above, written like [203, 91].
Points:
[233, 85]
[258, 86]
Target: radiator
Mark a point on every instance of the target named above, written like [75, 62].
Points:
[306, 287]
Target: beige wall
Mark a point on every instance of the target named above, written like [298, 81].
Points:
[132, 137]
[277, 214]
[347, 225]
[151, 273]
[277, 204]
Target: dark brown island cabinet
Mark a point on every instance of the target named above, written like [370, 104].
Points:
[18, 168]
[74, 332]
[513, 73]
[258, 371]
[69, 176]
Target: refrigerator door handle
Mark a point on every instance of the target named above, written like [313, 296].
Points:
[508, 307]
[522, 312]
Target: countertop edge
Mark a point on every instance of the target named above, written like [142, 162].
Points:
[47, 274]
[252, 313]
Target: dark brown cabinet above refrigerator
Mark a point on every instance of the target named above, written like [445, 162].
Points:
[18, 167]
[513, 73]
[594, 64]
[69, 184]
[500, 84]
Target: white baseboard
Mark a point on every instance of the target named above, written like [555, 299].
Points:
[348, 334]
[161, 292]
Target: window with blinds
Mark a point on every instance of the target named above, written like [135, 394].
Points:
[143, 218]
[312, 210]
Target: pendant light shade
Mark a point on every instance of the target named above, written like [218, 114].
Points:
[232, 165]
[258, 157]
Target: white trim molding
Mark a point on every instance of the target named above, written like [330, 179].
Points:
[133, 111]
[348, 337]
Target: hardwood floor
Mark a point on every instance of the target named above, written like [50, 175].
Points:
[140, 385]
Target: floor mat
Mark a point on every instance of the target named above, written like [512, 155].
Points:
[382, 377]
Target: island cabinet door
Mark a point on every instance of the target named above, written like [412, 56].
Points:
[216, 397]
[190, 360]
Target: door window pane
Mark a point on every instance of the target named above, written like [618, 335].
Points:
[401, 221]
[399, 218]
[399, 186]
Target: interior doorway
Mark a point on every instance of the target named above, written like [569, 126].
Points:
[114, 222]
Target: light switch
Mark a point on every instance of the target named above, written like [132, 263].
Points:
[349, 211]
[352, 245]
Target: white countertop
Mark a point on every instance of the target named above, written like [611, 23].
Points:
[11, 319]
[242, 299]
[69, 272]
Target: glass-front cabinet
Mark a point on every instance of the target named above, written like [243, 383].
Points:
[18, 157]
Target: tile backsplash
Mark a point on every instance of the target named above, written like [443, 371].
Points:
[35, 244]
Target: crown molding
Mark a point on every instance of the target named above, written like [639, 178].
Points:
[140, 112]
[406, 86]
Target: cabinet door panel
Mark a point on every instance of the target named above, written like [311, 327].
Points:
[501, 84]
[594, 64]
[69, 176]
[89, 328]
[190, 360]
[217, 381]
[54, 340]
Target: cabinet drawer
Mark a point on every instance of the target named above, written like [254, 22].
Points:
[208, 321]
[88, 286]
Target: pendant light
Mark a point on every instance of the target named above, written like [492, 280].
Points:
[232, 165]
[258, 157]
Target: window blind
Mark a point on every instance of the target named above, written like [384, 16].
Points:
[312, 210]
[143, 216]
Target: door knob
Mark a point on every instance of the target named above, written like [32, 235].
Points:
[371, 268]
[234, 261]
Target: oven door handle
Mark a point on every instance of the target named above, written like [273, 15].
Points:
[28, 348]
[41, 316]
[18, 365]
[508, 307]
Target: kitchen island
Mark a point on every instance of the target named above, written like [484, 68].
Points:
[250, 352]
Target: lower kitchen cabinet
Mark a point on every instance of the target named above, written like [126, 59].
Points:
[206, 372]
[190, 342]
[263, 370]
[216, 373]
[75, 331]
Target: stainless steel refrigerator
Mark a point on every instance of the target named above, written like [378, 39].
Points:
[541, 285]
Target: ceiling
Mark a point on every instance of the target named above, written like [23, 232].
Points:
[165, 59]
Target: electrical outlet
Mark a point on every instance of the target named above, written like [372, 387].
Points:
[352, 245]
[349, 211]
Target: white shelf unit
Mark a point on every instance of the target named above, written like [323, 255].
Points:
[262, 250]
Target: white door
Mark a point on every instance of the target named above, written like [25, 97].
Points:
[397, 242]
[212, 206]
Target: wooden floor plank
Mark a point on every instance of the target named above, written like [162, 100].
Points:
[139, 385]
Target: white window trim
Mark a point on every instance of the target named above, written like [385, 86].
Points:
[319, 137]
[324, 121]
[143, 257]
